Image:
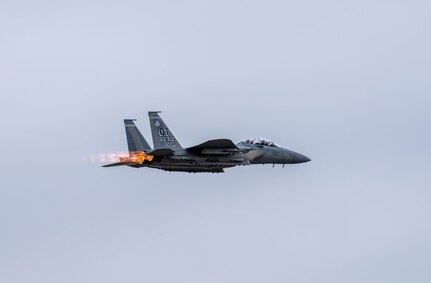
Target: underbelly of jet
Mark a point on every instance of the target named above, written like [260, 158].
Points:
[192, 168]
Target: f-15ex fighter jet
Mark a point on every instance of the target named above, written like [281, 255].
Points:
[211, 156]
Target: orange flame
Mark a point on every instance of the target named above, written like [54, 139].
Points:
[139, 157]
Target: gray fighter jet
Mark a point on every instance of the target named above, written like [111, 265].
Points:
[211, 156]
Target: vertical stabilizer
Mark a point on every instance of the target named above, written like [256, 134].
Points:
[162, 136]
[135, 141]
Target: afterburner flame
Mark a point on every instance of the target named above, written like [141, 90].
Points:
[137, 157]
[132, 157]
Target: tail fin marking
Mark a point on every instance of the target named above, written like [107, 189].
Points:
[162, 136]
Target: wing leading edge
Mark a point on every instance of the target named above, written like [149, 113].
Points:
[216, 147]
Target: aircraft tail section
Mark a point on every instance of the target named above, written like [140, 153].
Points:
[162, 136]
[135, 141]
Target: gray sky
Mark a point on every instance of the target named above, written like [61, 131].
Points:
[345, 83]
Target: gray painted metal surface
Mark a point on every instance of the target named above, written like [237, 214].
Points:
[211, 156]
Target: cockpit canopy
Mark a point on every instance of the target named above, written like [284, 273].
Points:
[261, 141]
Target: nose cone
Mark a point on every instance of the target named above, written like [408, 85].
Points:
[294, 157]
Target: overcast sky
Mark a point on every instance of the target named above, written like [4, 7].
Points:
[347, 83]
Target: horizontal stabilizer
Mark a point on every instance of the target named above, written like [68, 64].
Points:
[161, 152]
[219, 146]
[115, 164]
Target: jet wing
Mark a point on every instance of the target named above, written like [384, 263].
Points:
[161, 152]
[217, 147]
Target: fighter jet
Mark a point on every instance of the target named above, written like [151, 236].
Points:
[211, 156]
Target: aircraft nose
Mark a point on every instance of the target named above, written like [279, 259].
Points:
[295, 157]
[300, 158]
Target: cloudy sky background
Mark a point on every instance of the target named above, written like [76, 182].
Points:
[345, 83]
